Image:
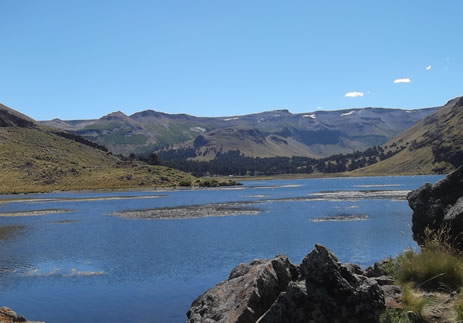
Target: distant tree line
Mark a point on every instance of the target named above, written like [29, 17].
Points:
[235, 163]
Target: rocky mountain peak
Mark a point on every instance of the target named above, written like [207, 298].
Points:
[11, 118]
[114, 116]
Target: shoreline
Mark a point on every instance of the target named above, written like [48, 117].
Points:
[310, 176]
[238, 179]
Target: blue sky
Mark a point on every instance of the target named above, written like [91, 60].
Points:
[84, 59]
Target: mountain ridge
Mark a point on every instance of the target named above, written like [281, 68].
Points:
[286, 134]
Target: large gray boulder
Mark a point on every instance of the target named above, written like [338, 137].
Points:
[249, 291]
[328, 291]
[439, 205]
[321, 289]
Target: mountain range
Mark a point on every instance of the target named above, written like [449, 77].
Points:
[268, 134]
[36, 157]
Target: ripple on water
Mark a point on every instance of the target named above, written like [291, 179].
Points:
[64, 269]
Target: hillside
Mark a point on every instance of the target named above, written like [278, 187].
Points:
[433, 145]
[267, 134]
[35, 158]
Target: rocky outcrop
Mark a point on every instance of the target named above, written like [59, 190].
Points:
[321, 289]
[439, 205]
[327, 291]
[7, 315]
[249, 291]
[10, 118]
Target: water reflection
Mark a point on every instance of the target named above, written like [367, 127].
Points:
[11, 231]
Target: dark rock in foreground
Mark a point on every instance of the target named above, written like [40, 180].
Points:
[437, 206]
[268, 291]
[249, 291]
[7, 315]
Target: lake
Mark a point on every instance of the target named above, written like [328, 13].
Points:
[80, 257]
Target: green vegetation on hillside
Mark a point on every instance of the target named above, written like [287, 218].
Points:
[39, 159]
[433, 145]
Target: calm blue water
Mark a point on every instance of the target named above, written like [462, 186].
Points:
[101, 268]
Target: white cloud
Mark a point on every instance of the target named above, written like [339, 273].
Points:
[402, 80]
[428, 67]
[354, 94]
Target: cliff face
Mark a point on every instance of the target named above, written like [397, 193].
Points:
[439, 206]
[321, 289]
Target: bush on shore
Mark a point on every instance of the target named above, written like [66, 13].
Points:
[437, 266]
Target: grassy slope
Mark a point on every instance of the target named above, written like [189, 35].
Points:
[430, 145]
[33, 159]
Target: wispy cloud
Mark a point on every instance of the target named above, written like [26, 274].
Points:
[354, 94]
[428, 67]
[402, 80]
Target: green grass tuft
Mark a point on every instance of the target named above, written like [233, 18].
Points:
[459, 308]
[437, 266]
[411, 302]
[431, 270]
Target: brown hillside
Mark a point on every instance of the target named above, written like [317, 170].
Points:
[433, 145]
[34, 158]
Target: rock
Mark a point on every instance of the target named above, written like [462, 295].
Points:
[247, 294]
[7, 315]
[437, 206]
[291, 306]
[270, 291]
[243, 269]
[455, 212]
[378, 269]
[384, 280]
[328, 291]
[392, 292]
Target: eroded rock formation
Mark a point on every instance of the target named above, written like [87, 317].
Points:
[321, 289]
[249, 291]
[439, 205]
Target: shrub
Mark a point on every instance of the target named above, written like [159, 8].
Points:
[185, 183]
[391, 315]
[438, 265]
